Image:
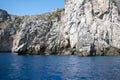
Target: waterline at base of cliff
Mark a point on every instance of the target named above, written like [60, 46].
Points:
[83, 27]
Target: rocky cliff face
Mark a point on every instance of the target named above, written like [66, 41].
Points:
[85, 28]
[40, 34]
[93, 26]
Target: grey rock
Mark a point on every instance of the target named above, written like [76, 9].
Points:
[94, 24]
[3, 15]
[39, 34]
[85, 28]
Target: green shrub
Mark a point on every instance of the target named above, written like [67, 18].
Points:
[113, 1]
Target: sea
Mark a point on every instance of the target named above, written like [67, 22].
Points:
[58, 67]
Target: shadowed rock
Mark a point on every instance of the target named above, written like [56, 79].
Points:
[3, 15]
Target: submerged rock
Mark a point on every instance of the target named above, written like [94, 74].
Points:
[85, 28]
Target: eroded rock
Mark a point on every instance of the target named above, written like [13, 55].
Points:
[3, 15]
[85, 28]
[92, 26]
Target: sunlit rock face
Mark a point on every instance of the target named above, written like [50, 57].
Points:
[40, 34]
[93, 26]
[85, 28]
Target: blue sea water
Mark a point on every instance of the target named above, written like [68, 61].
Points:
[53, 67]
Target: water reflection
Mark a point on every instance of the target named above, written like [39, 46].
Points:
[14, 67]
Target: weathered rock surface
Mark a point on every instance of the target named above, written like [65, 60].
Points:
[3, 15]
[39, 34]
[85, 28]
[93, 26]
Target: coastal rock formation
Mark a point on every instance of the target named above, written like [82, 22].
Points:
[40, 34]
[3, 15]
[85, 28]
[8, 29]
[94, 24]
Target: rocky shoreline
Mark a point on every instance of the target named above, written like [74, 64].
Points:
[84, 27]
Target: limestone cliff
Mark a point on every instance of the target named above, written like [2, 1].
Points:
[85, 28]
[93, 26]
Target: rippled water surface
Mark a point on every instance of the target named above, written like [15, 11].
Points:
[14, 67]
